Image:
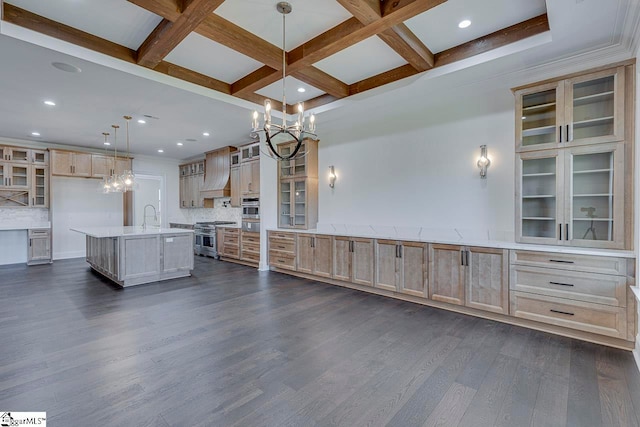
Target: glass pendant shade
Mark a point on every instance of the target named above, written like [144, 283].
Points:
[127, 179]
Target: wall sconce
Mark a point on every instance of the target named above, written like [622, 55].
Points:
[483, 162]
[332, 176]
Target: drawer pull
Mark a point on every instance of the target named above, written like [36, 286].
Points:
[561, 261]
[561, 284]
[281, 247]
[561, 312]
[282, 261]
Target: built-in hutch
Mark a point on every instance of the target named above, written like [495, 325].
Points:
[24, 177]
[298, 186]
[571, 267]
[191, 181]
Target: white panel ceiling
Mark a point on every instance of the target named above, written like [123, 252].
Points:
[118, 21]
[308, 19]
[438, 27]
[207, 57]
[274, 91]
[362, 60]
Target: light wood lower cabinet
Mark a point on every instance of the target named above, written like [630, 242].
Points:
[353, 260]
[446, 273]
[402, 267]
[315, 255]
[282, 249]
[250, 246]
[39, 246]
[470, 276]
[228, 242]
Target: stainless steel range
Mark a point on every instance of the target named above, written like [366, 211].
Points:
[205, 234]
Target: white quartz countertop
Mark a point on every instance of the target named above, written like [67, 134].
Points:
[128, 231]
[23, 225]
[449, 238]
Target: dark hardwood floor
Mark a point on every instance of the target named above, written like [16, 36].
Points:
[234, 347]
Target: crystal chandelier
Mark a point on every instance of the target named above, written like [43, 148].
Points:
[115, 183]
[298, 130]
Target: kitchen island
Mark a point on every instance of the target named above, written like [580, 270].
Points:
[132, 255]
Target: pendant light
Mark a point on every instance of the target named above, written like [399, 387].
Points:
[106, 184]
[117, 186]
[127, 177]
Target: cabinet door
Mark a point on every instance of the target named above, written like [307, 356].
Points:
[18, 155]
[342, 258]
[82, 164]
[235, 187]
[362, 261]
[235, 159]
[39, 245]
[305, 253]
[17, 175]
[323, 259]
[3, 175]
[285, 218]
[40, 186]
[61, 163]
[39, 157]
[487, 279]
[594, 205]
[413, 259]
[539, 117]
[101, 166]
[184, 184]
[254, 187]
[245, 178]
[594, 107]
[122, 165]
[539, 197]
[446, 273]
[388, 273]
[198, 183]
[300, 203]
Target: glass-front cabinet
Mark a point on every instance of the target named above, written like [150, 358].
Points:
[298, 186]
[40, 187]
[293, 204]
[577, 111]
[14, 175]
[572, 197]
[295, 166]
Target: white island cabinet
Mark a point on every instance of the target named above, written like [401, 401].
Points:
[133, 256]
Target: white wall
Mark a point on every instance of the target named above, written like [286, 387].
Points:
[78, 202]
[168, 169]
[415, 165]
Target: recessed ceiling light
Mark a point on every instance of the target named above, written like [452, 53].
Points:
[161, 151]
[301, 89]
[464, 23]
[35, 133]
[142, 121]
[62, 66]
[205, 133]
[107, 143]
[179, 144]
[50, 103]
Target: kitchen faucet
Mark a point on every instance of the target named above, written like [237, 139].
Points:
[144, 216]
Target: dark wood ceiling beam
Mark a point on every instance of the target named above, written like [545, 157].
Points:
[191, 76]
[234, 37]
[252, 82]
[54, 29]
[168, 9]
[168, 34]
[500, 38]
[313, 103]
[399, 37]
[382, 79]
[323, 81]
[406, 44]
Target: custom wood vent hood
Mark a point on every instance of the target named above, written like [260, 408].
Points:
[217, 170]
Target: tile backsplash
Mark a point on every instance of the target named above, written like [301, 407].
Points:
[19, 215]
[218, 213]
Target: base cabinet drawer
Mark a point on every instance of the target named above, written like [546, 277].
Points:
[230, 251]
[250, 256]
[572, 262]
[282, 246]
[584, 316]
[282, 260]
[574, 285]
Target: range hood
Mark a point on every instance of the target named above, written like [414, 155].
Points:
[217, 170]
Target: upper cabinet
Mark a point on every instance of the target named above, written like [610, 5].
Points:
[191, 182]
[24, 177]
[70, 163]
[15, 154]
[587, 109]
[298, 186]
[250, 152]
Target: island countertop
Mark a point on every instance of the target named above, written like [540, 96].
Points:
[100, 232]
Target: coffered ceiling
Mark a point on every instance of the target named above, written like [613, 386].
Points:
[231, 49]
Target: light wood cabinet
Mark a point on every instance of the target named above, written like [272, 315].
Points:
[191, 182]
[40, 186]
[250, 152]
[574, 196]
[446, 273]
[234, 177]
[282, 249]
[470, 276]
[70, 163]
[353, 260]
[315, 255]
[402, 267]
[15, 154]
[250, 178]
[39, 246]
[298, 186]
[105, 166]
[580, 110]
[228, 242]
[250, 246]
[14, 175]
